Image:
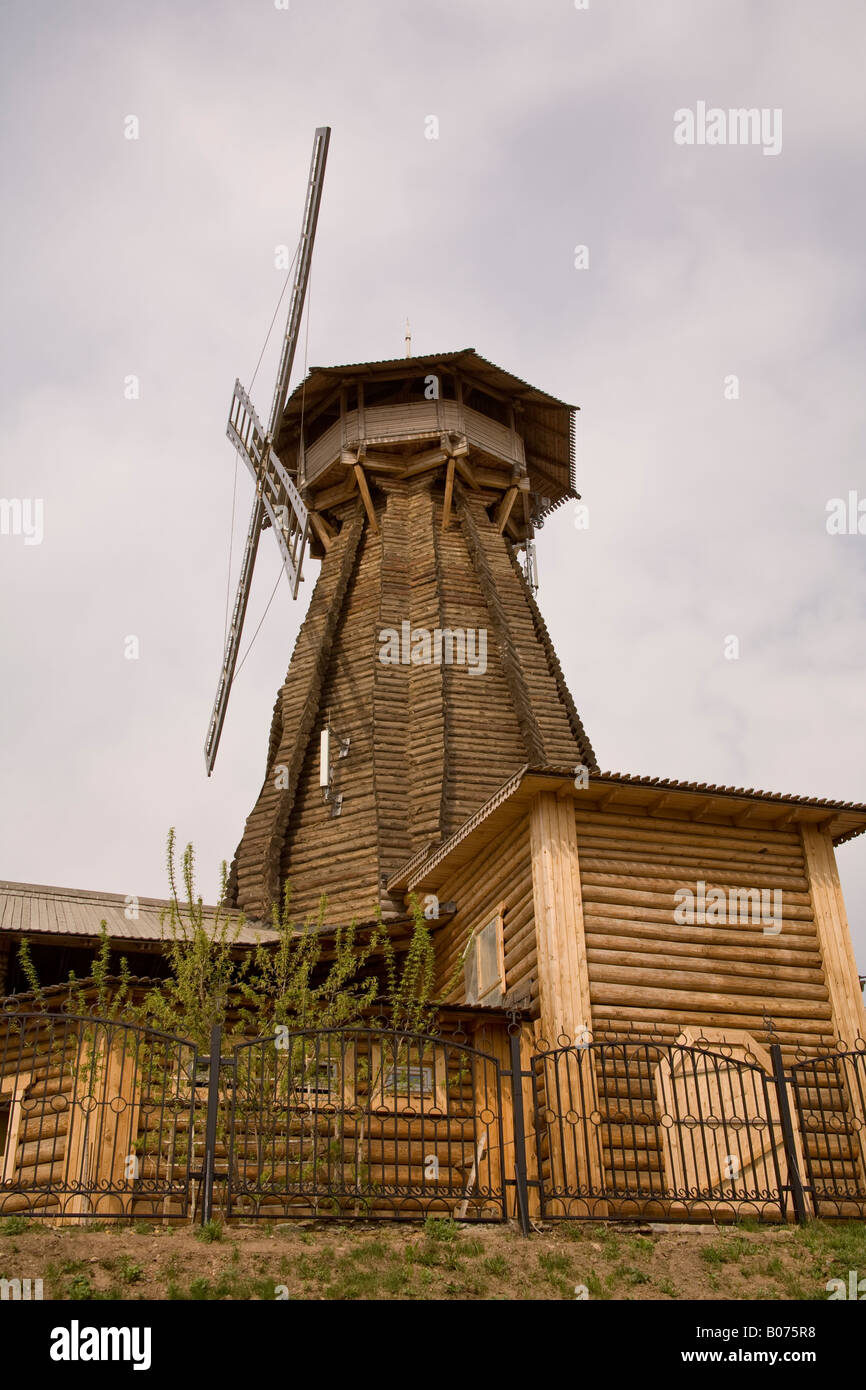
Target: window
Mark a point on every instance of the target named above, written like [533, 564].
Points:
[484, 963]
[322, 1078]
[410, 1077]
[408, 1081]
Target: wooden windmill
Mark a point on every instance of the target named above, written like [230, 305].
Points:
[423, 657]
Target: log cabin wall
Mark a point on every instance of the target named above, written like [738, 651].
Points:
[650, 973]
[499, 878]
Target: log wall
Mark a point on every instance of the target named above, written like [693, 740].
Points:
[647, 971]
[502, 876]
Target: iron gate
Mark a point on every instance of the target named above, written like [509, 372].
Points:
[104, 1119]
[360, 1122]
[655, 1130]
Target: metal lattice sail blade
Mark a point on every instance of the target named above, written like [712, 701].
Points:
[282, 502]
[245, 431]
[278, 501]
[299, 289]
[233, 640]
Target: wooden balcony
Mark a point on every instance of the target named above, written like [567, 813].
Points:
[415, 423]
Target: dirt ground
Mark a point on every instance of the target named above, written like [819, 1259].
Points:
[438, 1260]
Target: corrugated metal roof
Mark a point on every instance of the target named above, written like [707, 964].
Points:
[712, 789]
[33, 908]
[416, 868]
[384, 363]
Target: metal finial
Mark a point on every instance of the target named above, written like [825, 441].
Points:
[408, 340]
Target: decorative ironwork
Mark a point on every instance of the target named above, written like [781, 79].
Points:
[96, 1118]
[830, 1100]
[657, 1130]
[103, 1119]
[363, 1122]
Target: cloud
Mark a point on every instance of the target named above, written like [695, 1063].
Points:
[156, 257]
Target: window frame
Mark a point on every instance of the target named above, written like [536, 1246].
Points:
[383, 1096]
[483, 999]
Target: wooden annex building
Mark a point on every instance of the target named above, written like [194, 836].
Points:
[594, 906]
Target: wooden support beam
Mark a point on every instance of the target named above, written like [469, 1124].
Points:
[333, 496]
[711, 807]
[504, 509]
[323, 530]
[368, 501]
[384, 463]
[562, 966]
[563, 973]
[840, 973]
[834, 937]
[467, 472]
[449, 492]
[419, 463]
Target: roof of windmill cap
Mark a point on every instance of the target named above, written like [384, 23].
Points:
[545, 424]
[498, 377]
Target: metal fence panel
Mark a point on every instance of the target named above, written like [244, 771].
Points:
[96, 1118]
[655, 1130]
[362, 1122]
[830, 1100]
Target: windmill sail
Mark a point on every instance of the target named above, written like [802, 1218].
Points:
[277, 501]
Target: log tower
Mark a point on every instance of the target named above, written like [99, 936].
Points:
[423, 654]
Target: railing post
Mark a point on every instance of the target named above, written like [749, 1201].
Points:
[795, 1182]
[520, 1176]
[213, 1096]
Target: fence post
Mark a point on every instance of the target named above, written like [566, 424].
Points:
[520, 1176]
[213, 1096]
[795, 1182]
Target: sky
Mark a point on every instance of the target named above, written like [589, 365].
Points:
[712, 333]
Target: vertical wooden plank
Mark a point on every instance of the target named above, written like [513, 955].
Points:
[119, 1127]
[840, 966]
[563, 979]
[834, 937]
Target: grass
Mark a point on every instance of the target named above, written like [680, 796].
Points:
[17, 1226]
[440, 1259]
[209, 1232]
